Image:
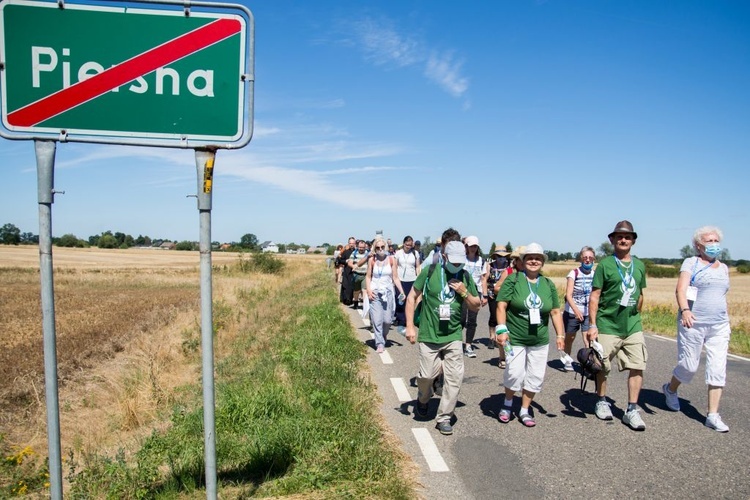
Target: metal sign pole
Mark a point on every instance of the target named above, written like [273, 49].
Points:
[204, 161]
[45, 165]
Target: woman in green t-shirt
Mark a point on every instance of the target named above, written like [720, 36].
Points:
[525, 304]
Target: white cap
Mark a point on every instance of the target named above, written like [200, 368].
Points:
[455, 252]
[471, 241]
[533, 249]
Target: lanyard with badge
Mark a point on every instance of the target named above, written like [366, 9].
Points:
[535, 312]
[444, 310]
[691, 293]
[627, 278]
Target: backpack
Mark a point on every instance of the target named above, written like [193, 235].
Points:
[591, 364]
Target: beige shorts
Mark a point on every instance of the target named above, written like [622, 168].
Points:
[630, 351]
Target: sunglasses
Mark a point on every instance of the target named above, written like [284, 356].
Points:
[379, 248]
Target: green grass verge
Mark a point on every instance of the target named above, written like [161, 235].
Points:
[663, 320]
[297, 419]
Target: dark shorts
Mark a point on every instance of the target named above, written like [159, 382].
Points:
[572, 324]
[359, 282]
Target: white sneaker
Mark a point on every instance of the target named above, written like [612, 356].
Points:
[567, 361]
[469, 352]
[633, 420]
[713, 421]
[602, 410]
[673, 402]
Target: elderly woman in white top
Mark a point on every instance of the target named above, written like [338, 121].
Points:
[576, 313]
[702, 321]
[381, 281]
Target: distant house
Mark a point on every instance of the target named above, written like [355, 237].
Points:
[168, 245]
[317, 250]
[269, 246]
[301, 250]
[225, 246]
[290, 251]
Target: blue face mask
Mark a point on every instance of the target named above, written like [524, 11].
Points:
[587, 267]
[712, 250]
[453, 268]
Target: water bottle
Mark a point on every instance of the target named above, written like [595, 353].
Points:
[503, 330]
[401, 299]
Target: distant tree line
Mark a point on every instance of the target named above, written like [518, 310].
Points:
[10, 234]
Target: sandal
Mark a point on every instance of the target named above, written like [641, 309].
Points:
[527, 420]
[504, 415]
[503, 364]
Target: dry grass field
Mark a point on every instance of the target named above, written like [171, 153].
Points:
[123, 321]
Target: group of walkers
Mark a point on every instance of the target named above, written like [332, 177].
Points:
[434, 299]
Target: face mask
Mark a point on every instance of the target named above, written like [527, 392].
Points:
[587, 267]
[453, 268]
[381, 253]
[713, 250]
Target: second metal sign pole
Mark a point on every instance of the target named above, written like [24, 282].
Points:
[204, 161]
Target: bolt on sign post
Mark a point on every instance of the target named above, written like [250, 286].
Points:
[140, 72]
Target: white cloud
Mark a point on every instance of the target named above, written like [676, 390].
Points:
[274, 159]
[320, 186]
[446, 72]
[384, 45]
[101, 154]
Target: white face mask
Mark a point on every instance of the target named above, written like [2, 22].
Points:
[453, 268]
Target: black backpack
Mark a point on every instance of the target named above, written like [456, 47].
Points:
[591, 364]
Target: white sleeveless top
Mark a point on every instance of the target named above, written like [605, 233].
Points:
[382, 275]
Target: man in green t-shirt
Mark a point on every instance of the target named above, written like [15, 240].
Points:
[444, 287]
[615, 316]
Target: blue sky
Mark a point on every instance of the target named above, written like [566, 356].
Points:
[519, 121]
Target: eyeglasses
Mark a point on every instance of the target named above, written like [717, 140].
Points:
[379, 248]
[534, 257]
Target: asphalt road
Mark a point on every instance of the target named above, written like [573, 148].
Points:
[570, 453]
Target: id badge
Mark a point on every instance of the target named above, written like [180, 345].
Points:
[691, 293]
[445, 312]
[535, 317]
[625, 300]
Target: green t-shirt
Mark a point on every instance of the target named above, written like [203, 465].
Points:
[520, 295]
[612, 278]
[431, 329]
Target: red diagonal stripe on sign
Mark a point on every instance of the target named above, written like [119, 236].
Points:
[125, 72]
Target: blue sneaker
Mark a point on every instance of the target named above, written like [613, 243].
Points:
[445, 428]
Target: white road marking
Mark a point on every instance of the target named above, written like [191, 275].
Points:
[738, 358]
[402, 393]
[659, 337]
[429, 450]
[386, 358]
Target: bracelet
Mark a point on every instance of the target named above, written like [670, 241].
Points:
[464, 295]
[560, 336]
[592, 326]
[685, 309]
